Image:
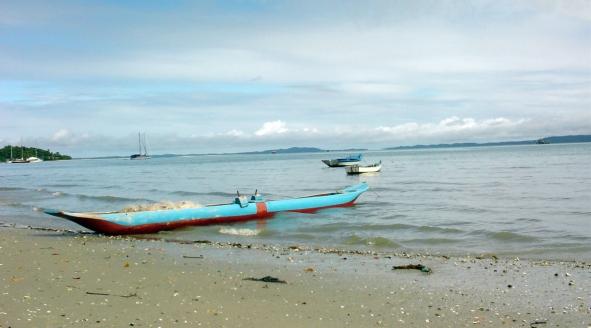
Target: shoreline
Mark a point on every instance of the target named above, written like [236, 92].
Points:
[361, 249]
[62, 279]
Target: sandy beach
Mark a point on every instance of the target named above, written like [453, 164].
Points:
[62, 279]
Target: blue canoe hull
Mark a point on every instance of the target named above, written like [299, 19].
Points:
[120, 223]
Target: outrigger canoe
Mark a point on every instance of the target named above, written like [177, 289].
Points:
[242, 209]
[346, 161]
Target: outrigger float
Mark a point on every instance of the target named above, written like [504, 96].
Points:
[242, 209]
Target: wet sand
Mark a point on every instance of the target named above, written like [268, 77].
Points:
[58, 279]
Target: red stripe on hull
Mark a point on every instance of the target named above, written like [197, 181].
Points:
[110, 228]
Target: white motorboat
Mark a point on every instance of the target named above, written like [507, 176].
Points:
[359, 169]
[34, 159]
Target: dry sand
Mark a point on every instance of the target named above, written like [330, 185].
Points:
[57, 279]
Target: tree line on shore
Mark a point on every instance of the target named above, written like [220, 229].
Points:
[26, 152]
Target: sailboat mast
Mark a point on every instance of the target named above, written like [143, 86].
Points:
[145, 148]
[139, 143]
[11, 152]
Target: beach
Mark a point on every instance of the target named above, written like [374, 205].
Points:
[53, 278]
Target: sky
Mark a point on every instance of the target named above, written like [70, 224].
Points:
[84, 77]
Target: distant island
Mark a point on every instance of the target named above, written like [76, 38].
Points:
[295, 150]
[548, 140]
[26, 152]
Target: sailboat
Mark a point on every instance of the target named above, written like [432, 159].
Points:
[139, 155]
[21, 160]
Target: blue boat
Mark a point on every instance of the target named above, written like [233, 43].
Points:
[346, 161]
[242, 209]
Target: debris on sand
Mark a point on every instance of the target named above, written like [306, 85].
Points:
[419, 267]
[107, 294]
[267, 279]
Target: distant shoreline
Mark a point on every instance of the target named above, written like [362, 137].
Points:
[548, 140]
[311, 150]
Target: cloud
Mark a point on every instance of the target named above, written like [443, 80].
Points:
[270, 128]
[234, 133]
[61, 135]
[453, 128]
[340, 73]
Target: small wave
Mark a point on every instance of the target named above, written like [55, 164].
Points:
[62, 185]
[240, 232]
[328, 227]
[109, 187]
[432, 241]
[385, 227]
[106, 198]
[11, 188]
[14, 205]
[527, 220]
[161, 206]
[371, 241]
[580, 213]
[377, 203]
[195, 193]
[511, 236]
[506, 236]
[378, 189]
[431, 182]
[438, 229]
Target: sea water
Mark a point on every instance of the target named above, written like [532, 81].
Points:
[528, 201]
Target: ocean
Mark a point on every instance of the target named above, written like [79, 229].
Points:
[531, 201]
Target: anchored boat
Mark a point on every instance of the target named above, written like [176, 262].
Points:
[359, 169]
[141, 144]
[346, 161]
[242, 209]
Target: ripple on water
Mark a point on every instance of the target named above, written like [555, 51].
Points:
[239, 232]
[193, 193]
[506, 236]
[376, 241]
[105, 198]
[425, 242]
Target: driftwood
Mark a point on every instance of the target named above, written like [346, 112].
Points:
[419, 267]
[107, 294]
[267, 279]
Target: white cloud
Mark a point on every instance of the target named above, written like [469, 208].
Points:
[277, 135]
[234, 133]
[453, 127]
[415, 71]
[61, 135]
[270, 128]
